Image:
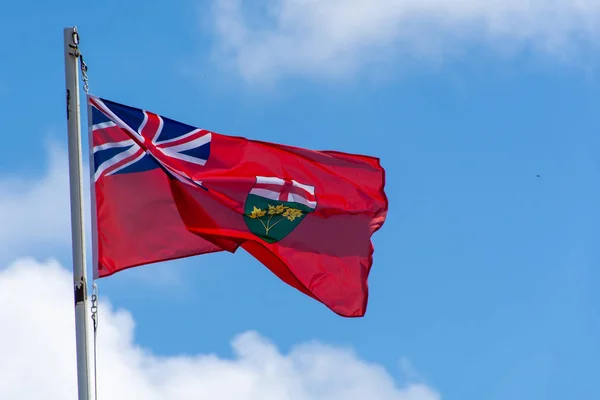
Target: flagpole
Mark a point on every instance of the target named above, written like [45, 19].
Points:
[71, 41]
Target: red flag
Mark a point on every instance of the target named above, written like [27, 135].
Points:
[306, 215]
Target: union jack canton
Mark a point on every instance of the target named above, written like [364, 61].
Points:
[127, 139]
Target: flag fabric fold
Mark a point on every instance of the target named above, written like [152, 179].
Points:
[166, 190]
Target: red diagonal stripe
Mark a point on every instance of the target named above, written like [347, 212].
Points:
[150, 129]
[109, 135]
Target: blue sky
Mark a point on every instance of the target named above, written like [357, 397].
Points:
[485, 280]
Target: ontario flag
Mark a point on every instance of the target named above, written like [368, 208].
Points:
[165, 190]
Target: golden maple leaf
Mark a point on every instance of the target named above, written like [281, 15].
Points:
[279, 209]
[276, 210]
[257, 213]
[292, 213]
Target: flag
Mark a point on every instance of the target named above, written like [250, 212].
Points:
[166, 190]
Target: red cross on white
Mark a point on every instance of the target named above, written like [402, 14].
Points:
[285, 190]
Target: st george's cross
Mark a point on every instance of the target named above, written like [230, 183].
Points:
[133, 140]
[287, 190]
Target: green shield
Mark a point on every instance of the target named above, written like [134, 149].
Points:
[272, 220]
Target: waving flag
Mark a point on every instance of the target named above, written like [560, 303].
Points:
[166, 190]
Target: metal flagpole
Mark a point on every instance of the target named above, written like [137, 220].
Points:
[71, 42]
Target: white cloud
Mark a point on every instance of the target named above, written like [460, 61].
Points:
[36, 212]
[336, 38]
[38, 358]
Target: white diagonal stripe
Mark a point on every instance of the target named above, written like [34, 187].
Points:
[110, 145]
[103, 125]
[188, 145]
[119, 157]
[106, 111]
[127, 164]
[175, 151]
[182, 137]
